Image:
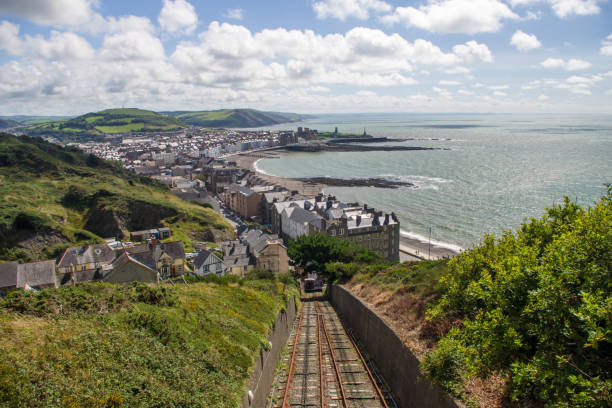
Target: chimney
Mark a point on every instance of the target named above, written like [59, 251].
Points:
[386, 219]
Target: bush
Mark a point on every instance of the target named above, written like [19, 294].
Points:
[259, 274]
[312, 252]
[536, 305]
[153, 295]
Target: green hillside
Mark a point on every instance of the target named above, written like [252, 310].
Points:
[94, 126]
[51, 196]
[7, 123]
[33, 119]
[234, 118]
[100, 345]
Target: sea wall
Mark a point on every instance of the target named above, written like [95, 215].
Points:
[261, 379]
[397, 364]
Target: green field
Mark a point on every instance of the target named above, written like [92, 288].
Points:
[234, 118]
[94, 126]
[101, 345]
[68, 197]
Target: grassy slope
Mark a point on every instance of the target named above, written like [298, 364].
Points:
[35, 184]
[96, 125]
[171, 346]
[234, 118]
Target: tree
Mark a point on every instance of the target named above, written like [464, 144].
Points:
[312, 252]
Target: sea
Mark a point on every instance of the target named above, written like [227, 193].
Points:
[489, 172]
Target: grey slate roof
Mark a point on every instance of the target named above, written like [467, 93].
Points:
[300, 215]
[8, 274]
[126, 257]
[145, 258]
[175, 249]
[36, 274]
[100, 253]
[200, 260]
[257, 241]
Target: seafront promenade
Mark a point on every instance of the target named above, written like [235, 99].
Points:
[411, 249]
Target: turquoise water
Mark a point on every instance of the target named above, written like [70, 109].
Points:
[495, 171]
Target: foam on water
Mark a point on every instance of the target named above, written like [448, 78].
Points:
[419, 181]
[425, 240]
[259, 170]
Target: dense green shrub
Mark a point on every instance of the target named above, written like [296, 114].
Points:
[312, 252]
[258, 273]
[536, 304]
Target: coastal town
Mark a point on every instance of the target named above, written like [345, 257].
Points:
[213, 167]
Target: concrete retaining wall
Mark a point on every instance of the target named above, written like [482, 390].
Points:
[399, 367]
[262, 377]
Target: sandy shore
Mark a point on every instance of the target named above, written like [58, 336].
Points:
[419, 249]
[410, 249]
[247, 161]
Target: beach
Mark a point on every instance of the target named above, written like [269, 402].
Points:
[411, 248]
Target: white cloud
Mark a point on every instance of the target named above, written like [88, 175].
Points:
[50, 12]
[457, 70]
[342, 9]
[580, 85]
[543, 97]
[532, 85]
[234, 14]
[366, 93]
[472, 51]
[553, 63]
[132, 45]
[464, 92]
[60, 45]
[500, 93]
[178, 17]
[606, 46]
[499, 87]
[445, 82]
[565, 8]
[569, 65]
[525, 42]
[454, 16]
[444, 93]
[9, 38]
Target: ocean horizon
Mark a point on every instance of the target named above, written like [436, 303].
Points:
[490, 172]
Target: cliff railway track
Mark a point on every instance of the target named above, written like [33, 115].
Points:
[325, 368]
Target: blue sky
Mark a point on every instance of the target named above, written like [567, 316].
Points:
[308, 56]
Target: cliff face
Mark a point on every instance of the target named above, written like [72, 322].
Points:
[115, 216]
[51, 196]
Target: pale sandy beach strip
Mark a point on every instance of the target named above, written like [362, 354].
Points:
[411, 248]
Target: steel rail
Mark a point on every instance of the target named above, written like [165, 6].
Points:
[333, 356]
[292, 363]
[321, 372]
[365, 364]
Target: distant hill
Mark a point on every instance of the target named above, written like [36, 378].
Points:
[94, 126]
[54, 196]
[234, 118]
[34, 120]
[7, 123]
